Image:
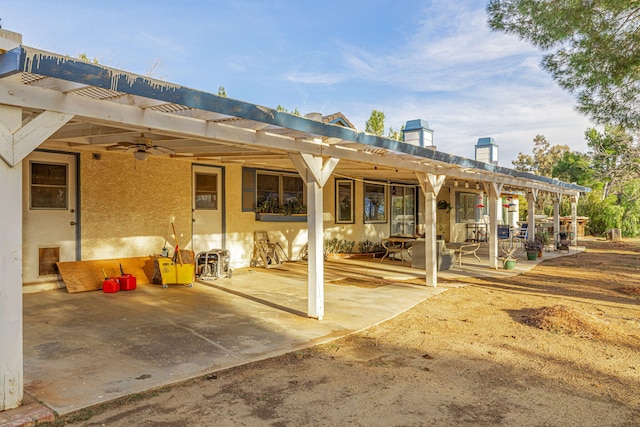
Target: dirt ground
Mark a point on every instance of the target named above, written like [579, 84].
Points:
[557, 346]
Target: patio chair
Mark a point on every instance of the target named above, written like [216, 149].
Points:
[397, 245]
[504, 232]
[467, 249]
[564, 241]
[521, 236]
[265, 253]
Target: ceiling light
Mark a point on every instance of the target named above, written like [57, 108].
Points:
[477, 186]
[466, 184]
[141, 155]
[455, 183]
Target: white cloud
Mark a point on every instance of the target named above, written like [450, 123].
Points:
[315, 78]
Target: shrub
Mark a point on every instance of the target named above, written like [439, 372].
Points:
[533, 245]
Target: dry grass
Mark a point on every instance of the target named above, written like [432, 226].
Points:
[629, 290]
[561, 319]
[366, 282]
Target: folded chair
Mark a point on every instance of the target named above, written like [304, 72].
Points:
[266, 254]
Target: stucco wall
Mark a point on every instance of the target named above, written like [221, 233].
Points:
[358, 231]
[127, 206]
[292, 236]
[240, 226]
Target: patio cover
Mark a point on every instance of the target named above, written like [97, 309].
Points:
[70, 103]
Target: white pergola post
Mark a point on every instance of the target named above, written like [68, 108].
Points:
[495, 204]
[556, 219]
[314, 174]
[574, 218]
[11, 346]
[430, 185]
[532, 196]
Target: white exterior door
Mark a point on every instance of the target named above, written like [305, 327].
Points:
[50, 220]
[208, 208]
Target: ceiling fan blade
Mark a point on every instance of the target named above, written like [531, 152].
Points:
[158, 149]
[117, 148]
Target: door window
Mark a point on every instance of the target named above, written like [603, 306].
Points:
[49, 186]
[375, 197]
[466, 207]
[206, 191]
[402, 209]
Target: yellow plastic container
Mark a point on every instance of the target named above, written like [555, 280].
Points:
[184, 274]
[175, 274]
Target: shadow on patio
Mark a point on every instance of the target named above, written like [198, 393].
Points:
[86, 348]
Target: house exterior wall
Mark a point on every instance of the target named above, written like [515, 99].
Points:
[292, 236]
[127, 206]
[358, 231]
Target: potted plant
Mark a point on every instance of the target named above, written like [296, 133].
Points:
[532, 246]
[271, 211]
[294, 207]
[544, 238]
[509, 263]
[270, 205]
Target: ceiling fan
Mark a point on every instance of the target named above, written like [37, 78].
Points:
[142, 147]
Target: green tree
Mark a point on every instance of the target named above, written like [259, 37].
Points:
[222, 92]
[629, 200]
[398, 135]
[395, 134]
[616, 157]
[574, 167]
[545, 156]
[375, 124]
[612, 170]
[591, 50]
[295, 112]
[85, 58]
[603, 213]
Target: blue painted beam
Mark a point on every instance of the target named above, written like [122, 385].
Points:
[10, 62]
[25, 59]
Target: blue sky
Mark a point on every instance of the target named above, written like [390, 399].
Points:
[434, 60]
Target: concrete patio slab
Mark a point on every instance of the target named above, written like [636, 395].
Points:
[87, 348]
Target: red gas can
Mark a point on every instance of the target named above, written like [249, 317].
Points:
[127, 282]
[110, 285]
